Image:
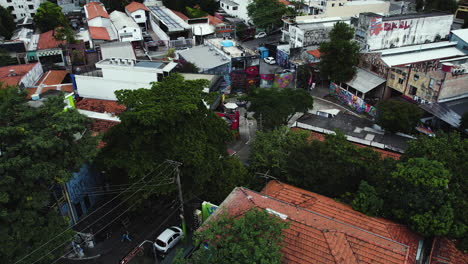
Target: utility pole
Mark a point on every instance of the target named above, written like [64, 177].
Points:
[179, 186]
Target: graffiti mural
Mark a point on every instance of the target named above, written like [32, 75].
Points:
[375, 25]
[284, 80]
[353, 101]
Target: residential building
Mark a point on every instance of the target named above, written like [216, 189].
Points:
[100, 26]
[16, 50]
[323, 230]
[376, 32]
[25, 75]
[444, 251]
[236, 8]
[139, 12]
[309, 32]
[121, 50]
[119, 74]
[49, 50]
[21, 8]
[69, 6]
[461, 37]
[169, 27]
[50, 82]
[344, 8]
[127, 29]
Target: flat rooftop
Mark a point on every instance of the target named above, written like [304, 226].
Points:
[169, 19]
[204, 57]
[161, 65]
[417, 15]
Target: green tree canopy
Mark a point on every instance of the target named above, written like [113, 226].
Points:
[39, 148]
[266, 14]
[7, 23]
[256, 236]
[276, 106]
[170, 121]
[49, 16]
[398, 116]
[339, 56]
[418, 195]
[367, 200]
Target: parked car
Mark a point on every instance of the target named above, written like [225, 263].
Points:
[260, 35]
[168, 239]
[270, 60]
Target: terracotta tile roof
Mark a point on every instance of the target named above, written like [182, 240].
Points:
[134, 6]
[321, 137]
[52, 77]
[285, 2]
[47, 41]
[95, 9]
[100, 106]
[214, 20]
[20, 71]
[315, 53]
[99, 33]
[325, 231]
[444, 251]
[179, 14]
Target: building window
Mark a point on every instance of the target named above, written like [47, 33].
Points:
[31, 6]
[14, 16]
[413, 90]
[400, 81]
[222, 4]
[11, 8]
[392, 76]
[227, 7]
[431, 83]
[32, 14]
[333, 5]
[416, 77]
[138, 16]
[398, 71]
[8, 1]
[234, 8]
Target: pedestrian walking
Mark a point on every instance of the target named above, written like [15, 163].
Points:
[126, 236]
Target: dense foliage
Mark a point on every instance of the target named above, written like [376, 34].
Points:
[255, 236]
[49, 16]
[39, 148]
[170, 121]
[7, 23]
[274, 107]
[208, 6]
[398, 116]
[340, 55]
[266, 14]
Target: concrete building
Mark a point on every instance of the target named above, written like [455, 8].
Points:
[309, 32]
[461, 37]
[236, 8]
[375, 32]
[139, 12]
[21, 8]
[119, 74]
[344, 8]
[69, 6]
[99, 23]
[127, 29]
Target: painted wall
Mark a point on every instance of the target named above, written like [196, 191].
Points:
[83, 182]
[454, 86]
[383, 33]
[103, 88]
[130, 34]
[352, 100]
[397, 79]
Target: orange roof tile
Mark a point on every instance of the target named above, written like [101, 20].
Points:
[315, 53]
[321, 137]
[100, 106]
[214, 20]
[52, 77]
[325, 231]
[134, 6]
[47, 41]
[285, 2]
[444, 251]
[179, 14]
[99, 33]
[19, 72]
[95, 9]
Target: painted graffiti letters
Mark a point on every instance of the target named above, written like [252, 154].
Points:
[376, 26]
[352, 100]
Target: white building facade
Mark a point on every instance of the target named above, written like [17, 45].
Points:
[120, 74]
[331, 8]
[312, 32]
[236, 8]
[138, 12]
[21, 8]
[69, 5]
[127, 29]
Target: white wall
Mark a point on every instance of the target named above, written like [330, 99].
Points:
[140, 13]
[130, 34]
[127, 74]
[103, 88]
[397, 33]
[30, 79]
[241, 11]
[22, 8]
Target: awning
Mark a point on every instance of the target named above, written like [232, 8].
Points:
[443, 113]
[365, 81]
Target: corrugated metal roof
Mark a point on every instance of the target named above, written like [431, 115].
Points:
[365, 81]
[121, 50]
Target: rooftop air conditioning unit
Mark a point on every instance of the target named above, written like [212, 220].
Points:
[217, 54]
[211, 48]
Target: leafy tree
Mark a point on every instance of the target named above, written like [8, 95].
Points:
[266, 14]
[39, 149]
[418, 195]
[241, 31]
[464, 120]
[398, 116]
[367, 200]
[271, 149]
[276, 106]
[6, 59]
[49, 16]
[209, 6]
[256, 236]
[170, 121]
[452, 151]
[304, 72]
[195, 12]
[339, 56]
[7, 23]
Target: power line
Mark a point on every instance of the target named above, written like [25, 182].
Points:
[128, 198]
[88, 215]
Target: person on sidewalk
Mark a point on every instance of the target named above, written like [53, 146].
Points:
[126, 236]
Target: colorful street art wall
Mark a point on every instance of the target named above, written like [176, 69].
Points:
[284, 80]
[355, 102]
